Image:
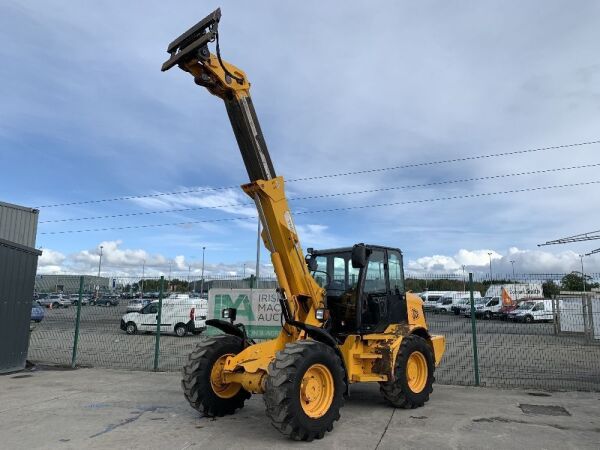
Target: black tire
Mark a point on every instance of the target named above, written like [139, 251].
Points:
[487, 315]
[528, 319]
[282, 390]
[398, 392]
[130, 328]
[180, 330]
[196, 384]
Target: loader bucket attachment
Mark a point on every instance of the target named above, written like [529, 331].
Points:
[192, 43]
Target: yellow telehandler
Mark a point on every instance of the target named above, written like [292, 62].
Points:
[346, 317]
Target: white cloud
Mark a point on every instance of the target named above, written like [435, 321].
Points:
[525, 261]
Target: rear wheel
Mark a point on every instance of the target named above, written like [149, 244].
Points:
[528, 319]
[202, 382]
[413, 374]
[304, 390]
[180, 330]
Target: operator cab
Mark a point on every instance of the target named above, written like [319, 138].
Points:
[364, 287]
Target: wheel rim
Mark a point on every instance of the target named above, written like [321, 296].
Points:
[180, 331]
[316, 391]
[219, 387]
[130, 329]
[416, 372]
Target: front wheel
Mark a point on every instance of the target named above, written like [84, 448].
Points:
[528, 319]
[304, 390]
[202, 382]
[130, 328]
[413, 375]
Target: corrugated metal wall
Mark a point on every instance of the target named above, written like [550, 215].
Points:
[18, 265]
[18, 224]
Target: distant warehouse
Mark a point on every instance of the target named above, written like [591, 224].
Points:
[70, 283]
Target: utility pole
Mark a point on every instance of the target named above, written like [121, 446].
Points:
[490, 255]
[582, 273]
[99, 269]
[514, 282]
[170, 264]
[143, 275]
[202, 281]
[257, 270]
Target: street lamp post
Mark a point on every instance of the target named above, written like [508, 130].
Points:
[143, 275]
[202, 281]
[99, 270]
[514, 283]
[490, 255]
[582, 273]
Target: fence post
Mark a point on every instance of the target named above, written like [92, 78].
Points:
[158, 318]
[77, 319]
[474, 331]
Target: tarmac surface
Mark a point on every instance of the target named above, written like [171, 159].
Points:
[103, 408]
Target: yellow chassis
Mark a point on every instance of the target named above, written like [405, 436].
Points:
[369, 357]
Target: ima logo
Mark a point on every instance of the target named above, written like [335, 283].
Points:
[414, 313]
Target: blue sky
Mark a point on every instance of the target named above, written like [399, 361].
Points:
[338, 87]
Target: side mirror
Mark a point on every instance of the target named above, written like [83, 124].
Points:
[311, 262]
[359, 256]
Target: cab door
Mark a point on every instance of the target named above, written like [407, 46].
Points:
[398, 311]
[374, 297]
[148, 317]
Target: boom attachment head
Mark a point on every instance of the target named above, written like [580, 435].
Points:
[190, 52]
[193, 43]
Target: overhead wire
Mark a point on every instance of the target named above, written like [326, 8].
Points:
[311, 197]
[332, 175]
[343, 208]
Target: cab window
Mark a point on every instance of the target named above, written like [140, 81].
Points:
[396, 273]
[375, 276]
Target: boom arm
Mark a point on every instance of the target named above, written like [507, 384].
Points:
[190, 52]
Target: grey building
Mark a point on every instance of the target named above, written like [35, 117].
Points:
[69, 284]
[18, 265]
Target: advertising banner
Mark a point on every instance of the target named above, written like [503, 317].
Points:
[258, 309]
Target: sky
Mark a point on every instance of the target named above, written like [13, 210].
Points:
[87, 115]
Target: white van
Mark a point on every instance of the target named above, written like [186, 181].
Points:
[452, 301]
[485, 307]
[180, 315]
[533, 311]
[430, 299]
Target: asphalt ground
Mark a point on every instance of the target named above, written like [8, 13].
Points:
[510, 354]
[108, 409]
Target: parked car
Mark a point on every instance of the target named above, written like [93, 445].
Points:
[55, 301]
[137, 305]
[534, 310]
[106, 300]
[503, 312]
[85, 300]
[37, 312]
[179, 316]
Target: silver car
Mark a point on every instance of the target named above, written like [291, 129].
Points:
[55, 301]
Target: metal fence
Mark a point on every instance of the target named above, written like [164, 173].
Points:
[556, 350]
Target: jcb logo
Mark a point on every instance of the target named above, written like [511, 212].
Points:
[414, 313]
[242, 304]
